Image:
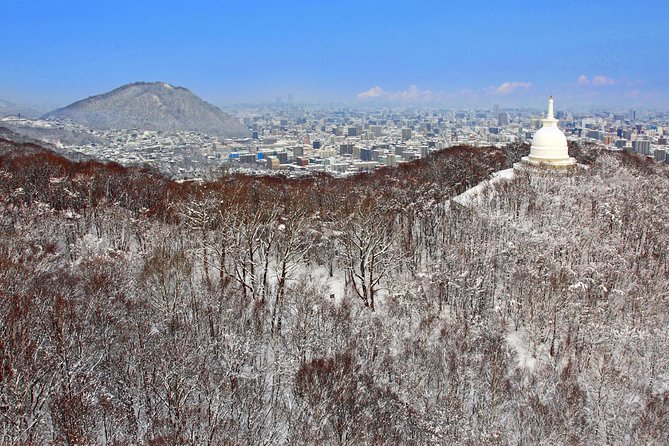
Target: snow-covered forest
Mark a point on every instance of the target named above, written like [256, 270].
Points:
[371, 310]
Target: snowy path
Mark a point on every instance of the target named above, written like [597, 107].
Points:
[469, 195]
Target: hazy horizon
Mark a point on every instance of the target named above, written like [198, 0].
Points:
[358, 54]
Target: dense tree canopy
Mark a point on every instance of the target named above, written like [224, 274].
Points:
[371, 310]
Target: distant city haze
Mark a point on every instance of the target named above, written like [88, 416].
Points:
[596, 54]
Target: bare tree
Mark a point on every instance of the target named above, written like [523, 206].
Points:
[369, 249]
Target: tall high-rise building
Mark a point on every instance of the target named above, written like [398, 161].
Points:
[346, 149]
[536, 122]
[641, 146]
[660, 154]
[298, 151]
[502, 119]
[406, 134]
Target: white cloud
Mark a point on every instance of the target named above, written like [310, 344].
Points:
[510, 87]
[373, 92]
[412, 94]
[596, 81]
[602, 80]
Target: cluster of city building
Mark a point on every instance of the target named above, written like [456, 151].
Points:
[345, 142]
[181, 154]
[297, 140]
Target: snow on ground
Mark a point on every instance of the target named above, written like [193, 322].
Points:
[472, 194]
[526, 356]
[335, 284]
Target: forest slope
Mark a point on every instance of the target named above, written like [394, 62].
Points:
[141, 310]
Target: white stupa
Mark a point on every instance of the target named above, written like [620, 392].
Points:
[549, 145]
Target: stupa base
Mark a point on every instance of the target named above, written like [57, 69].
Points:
[549, 163]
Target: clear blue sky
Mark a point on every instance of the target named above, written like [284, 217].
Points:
[586, 53]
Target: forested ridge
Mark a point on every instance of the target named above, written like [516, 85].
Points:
[372, 310]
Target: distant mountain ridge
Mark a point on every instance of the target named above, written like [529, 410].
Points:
[11, 109]
[151, 106]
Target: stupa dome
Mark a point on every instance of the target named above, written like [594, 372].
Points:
[549, 138]
[549, 145]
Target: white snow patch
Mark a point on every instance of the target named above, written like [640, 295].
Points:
[90, 246]
[526, 356]
[335, 284]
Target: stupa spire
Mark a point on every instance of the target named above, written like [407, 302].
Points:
[550, 120]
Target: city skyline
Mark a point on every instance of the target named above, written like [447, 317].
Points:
[599, 54]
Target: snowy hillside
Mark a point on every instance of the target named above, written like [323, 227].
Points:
[151, 106]
[137, 310]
